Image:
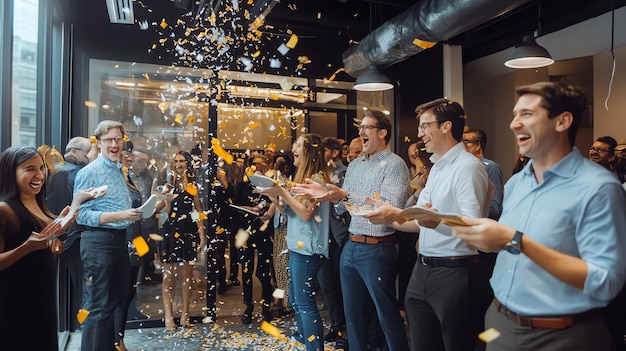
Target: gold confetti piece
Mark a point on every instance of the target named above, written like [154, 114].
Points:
[311, 338]
[377, 195]
[163, 23]
[203, 216]
[162, 106]
[90, 103]
[253, 125]
[178, 119]
[489, 335]
[126, 138]
[176, 235]
[82, 315]
[220, 152]
[271, 330]
[256, 54]
[407, 139]
[423, 44]
[299, 245]
[318, 219]
[92, 139]
[190, 119]
[192, 189]
[293, 41]
[141, 247]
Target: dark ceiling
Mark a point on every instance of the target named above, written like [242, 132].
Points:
[326, 28]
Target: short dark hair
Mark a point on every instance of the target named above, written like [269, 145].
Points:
[557, 98]
[445, 110]
[331, 143]
[382, 121]
[481, 137]
[610, 141]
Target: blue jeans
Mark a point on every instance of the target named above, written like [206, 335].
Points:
[302, 285]
[370, 270]
[107, 269]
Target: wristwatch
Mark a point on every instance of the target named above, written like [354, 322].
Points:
[515, 245]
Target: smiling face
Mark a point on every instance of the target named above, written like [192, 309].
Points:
[431, 133]
[180, 164]
[109, 146]
[373, 138]
[298, 151]
[30, 177]
[537, 135]
[599, 153]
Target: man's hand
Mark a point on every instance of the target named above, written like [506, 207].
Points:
[311, 189]
[384, 213]
[484, 233]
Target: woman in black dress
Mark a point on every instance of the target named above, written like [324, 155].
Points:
[182, 238]
[27, 264]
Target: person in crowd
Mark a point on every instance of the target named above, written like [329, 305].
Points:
[307, 239]
[329, 276]
[602, 152]
[27, 246]
[183, 238]
[59, 193]
[345, 151]
[234, 175]
[520, 164]
[144, 178]
[103, 247]
[620, 161]
[283, 163]
[269, 152]
[441, 299]
[419, 167]
[260, 233]
[356, 149]
[560, 237]
[369, 258]
[475, 141]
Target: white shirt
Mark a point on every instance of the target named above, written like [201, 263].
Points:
[457, 184]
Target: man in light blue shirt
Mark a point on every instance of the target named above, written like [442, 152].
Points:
[103, 247]
[561, 233]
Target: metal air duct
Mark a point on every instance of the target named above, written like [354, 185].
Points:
[420, 27]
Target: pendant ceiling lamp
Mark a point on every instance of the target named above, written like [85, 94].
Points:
[529, 54]
[372, 80]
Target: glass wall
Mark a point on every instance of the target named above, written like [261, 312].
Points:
[24, 72]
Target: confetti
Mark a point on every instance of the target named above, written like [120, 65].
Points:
[299, 245]
[293, 41]
[271, 330]
[489, 335]
[377, 195]
[82, 315]
[141, 247]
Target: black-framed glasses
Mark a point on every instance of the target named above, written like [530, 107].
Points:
[110, 141]
[425, 125]
[367, 127]
[598, 150]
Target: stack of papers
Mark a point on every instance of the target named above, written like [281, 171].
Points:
[422, 214]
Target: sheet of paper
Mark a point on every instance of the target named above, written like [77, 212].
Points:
[149, 206]
[244, 209]
[358, 210]
[421, 213]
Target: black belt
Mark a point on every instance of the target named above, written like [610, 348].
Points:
[448, 262]
[101, 229]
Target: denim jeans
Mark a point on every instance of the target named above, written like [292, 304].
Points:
[105, 257]
[303, 283]
[370, 270]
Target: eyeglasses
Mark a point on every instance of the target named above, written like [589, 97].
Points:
[425, 125]
[110, 141]
[367, 128]
[598, 150]
[468, 141]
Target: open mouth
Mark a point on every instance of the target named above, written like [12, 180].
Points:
[35, 185]
[365, 142]
[522, 137]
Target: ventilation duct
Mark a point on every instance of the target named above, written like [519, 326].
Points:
[420, 27]
[121, 11]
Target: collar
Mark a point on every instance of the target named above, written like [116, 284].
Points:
[449, 156]
[379, 156]
[565, 168]
[109, 163]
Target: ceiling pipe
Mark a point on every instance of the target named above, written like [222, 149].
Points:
[419, 28]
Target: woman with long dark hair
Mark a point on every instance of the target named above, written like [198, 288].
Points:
[27, 248]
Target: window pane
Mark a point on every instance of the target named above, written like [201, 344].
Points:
[24, 104]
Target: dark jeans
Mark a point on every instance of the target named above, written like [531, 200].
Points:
[303, 271]
[370, 270]
[330, 285]
[105, 258]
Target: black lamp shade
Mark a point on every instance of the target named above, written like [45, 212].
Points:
[372, 80]
[529, 55]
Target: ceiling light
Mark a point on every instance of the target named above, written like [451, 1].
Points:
[529, 54]
[372, 80]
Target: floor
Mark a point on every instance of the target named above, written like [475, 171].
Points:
[226, 333]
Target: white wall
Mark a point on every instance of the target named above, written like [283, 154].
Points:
[489, 86]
